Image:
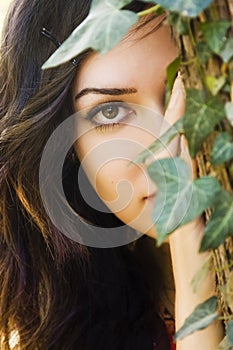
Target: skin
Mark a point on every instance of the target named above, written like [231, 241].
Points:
[139, 64]
[132, 199]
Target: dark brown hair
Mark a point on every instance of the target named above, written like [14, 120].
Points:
[56, 293]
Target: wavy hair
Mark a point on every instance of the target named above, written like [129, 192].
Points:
[54, 292]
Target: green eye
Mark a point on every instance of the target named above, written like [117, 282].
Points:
[110, 112]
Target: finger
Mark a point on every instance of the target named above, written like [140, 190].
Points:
[175, 110]
[176, 105]
[185, 155]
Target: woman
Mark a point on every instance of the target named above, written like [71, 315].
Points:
[57, 293]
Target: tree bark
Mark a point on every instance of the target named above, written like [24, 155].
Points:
[220, 9]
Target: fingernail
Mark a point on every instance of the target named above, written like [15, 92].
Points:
[184, 151]
[182, 147]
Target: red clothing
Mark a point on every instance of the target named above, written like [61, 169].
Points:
[170, 325]
[172, 344]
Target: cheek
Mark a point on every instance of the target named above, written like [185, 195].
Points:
[120, 186]
[123, 189]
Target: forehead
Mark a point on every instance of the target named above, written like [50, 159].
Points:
[143, 50]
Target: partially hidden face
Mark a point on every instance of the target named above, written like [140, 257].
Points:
[120, 100]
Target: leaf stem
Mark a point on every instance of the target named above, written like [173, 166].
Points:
[150, 10]
[193, 42]
[223, 268]
[225, 318]
[187, 63]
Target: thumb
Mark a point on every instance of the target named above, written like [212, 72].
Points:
[174, 112]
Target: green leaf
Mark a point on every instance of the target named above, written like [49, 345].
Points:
[215, 34]
[178, 22]
[161, 142]
[228, 291]
[201, 274]
[179, 199]
[102, 29]
[215, 84]
[227, 50]
[225, 345]
[220, 225]
[201, 116]
[229, 112]
[202, 316]
[222, 150]
[203, 52]
[230, 332]
[190, 8]
[172, 70]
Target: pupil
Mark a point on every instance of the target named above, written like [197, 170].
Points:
[110, 112]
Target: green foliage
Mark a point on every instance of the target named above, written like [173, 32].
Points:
[228, 290]
[203, 52]
[225, 345]
[202, 316]
[215, 84]
[103, 28]
[179, 199]
[202, 114]
[227, 50]
[215, 34]
[223, 149]
[172, 70]
[106, 25]
[229, 112]
[230, 332]
[162, 142]
[220, 225]
[189, 8]
[179, 22]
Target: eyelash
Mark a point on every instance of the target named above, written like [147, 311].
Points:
[106, 126]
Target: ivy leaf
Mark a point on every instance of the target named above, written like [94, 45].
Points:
[172, 70]
[227, 50]
[215, 33]
[215, 84]
[229, 111]
[203, 52]
[202, 316]
[225, 345]
[220, 225]
[102, 29]
[162, 142]
[201, 116]
[178, 22]
[222, 150]
[230, 331]
[179, 200]
[190, 8]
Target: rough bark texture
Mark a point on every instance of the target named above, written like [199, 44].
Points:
[220, 9]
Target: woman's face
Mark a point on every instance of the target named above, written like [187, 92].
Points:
[120, 96]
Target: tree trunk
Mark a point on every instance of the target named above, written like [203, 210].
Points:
[220, 9]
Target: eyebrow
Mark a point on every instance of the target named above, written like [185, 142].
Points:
[106, 91]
